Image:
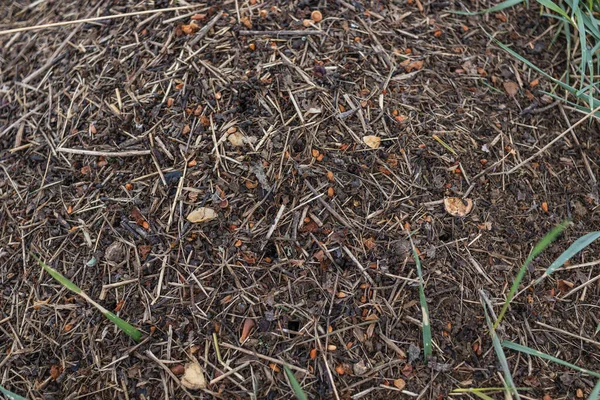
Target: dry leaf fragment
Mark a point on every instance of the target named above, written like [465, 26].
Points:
[178, 369]
[55, 371]
[248, 325]
[564, 286]
[501, 16]
[193, 377]
[138, 217]
[372, 141]
[400, 383]
[274, 367]
[236, 139]
[246, 22]
[190, 29]
[313, 354]
[360, 368]
[415, 65]
[486, 226]
[511, 88]
[202, 214]
[458, 207]
[144, 250]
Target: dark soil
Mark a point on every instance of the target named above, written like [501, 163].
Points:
[311, 238]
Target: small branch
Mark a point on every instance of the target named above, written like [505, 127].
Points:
[359, 265]
[168, 371]
[202, 32]
[103, 18]
[327, 206]
[129, 153]
[280, 33]
[267, 358]
[274, 226]
[546, 147]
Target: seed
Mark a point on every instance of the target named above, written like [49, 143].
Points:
[316, 16]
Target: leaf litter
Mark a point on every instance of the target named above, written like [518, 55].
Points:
[114, 133]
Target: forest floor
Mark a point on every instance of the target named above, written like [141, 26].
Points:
[316, 142]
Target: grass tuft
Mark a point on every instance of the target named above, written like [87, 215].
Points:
[498, 7]
[578, 24]
[123, 325]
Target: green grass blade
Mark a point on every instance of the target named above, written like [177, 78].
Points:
[498, 7]
[482, 396]
[533, 352]
[582, 43]
[574, 105]
[595, 395]
[598, 328]
[574, 6]
[131, 331]
[427, 342]
[488, 389]
[123, 325]
[479, 392]
[541, 246]
[516, 55]
[10, 395]
[58, 276]
[508, 380]
[573, 249]
[300, 395]
[568, 37]
[554, 7]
